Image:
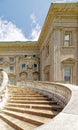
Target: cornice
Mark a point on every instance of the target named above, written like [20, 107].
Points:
[18, 42]
[62, 10]
[14, 46]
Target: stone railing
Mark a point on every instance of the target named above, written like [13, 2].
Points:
[3, 93]
[67, 96]
[53, 90]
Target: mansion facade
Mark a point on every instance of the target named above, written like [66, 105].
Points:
[54, 57]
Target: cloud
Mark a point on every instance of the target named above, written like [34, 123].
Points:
[9, 32]
[35, 28]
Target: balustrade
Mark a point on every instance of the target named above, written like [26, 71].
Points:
[3, 93]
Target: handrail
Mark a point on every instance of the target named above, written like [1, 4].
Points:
[53, 90]
[4, 83]
[67, 119]
[3, 88]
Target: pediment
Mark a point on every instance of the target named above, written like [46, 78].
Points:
[71, 60]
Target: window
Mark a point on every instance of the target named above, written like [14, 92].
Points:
[35, 65]
[67, 73]
[67, 39]
[11, 59]
[11, 68]
[23, 66]
[47, 51]
[1, 59]
[34, 55]
[12, 82]
[25, 55]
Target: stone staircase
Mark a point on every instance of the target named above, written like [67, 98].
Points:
[26, 109]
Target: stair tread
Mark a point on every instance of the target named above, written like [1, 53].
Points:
[32, 101]
[26, 95]
[40, 105]
[29, 116]
[28, 98]
[22, 124]
[27, 109]
[36, 106]
[32, 110]
[4, 125]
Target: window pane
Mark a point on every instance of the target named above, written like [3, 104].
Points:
[67, 73]
[66, 43]
[11, 59]
[11, 68]
[12, 82]
[35, 65]
[1, 59]
[67, 37]
[23, 66]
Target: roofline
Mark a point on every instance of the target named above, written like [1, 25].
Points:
[18, 42]
[54, 10]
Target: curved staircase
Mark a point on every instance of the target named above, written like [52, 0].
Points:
[26, 109]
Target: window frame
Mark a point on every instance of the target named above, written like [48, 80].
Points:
[67, 73]
[67, 42]
[23, 66]
[11, 70]
[1, 59]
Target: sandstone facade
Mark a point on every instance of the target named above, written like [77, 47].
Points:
[54, 57]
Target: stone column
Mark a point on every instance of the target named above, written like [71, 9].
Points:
[17, 69]
[57, 55]
[51, 44]
[42, 76]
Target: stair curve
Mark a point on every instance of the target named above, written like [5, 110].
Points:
[28, 108]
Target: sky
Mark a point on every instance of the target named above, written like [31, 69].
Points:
[22, 20]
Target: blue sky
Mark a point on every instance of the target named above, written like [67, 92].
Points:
[22, 20]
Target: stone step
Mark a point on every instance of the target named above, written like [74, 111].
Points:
[26, 95]
[15, 123]
[33, 119]
[21, 90]
[33, 95]
[4, 125]
[32, 101]
[57, 108]
[28, 98]
[15, 93]
[27, 109]
[43, 113]
[35, 106]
